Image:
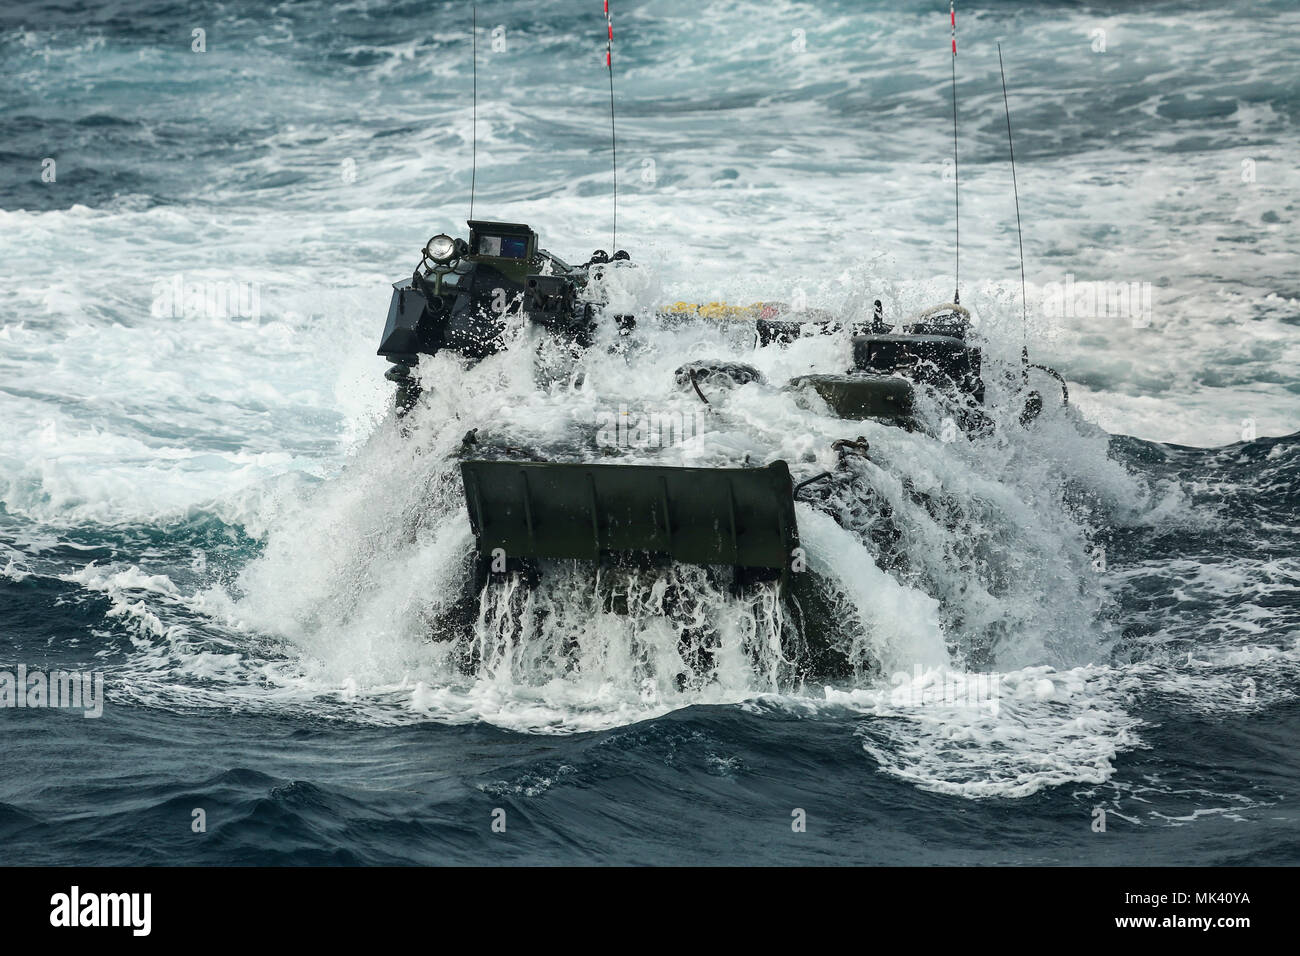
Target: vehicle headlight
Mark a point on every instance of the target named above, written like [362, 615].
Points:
[440, 249]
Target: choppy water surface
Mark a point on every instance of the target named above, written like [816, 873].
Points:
[218, 513]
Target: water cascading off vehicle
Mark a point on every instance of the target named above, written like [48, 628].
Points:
[525, 512]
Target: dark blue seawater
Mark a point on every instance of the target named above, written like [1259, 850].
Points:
[216, 511]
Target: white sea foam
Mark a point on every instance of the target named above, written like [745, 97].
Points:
[828, 185]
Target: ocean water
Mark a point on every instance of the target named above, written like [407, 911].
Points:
[214, 508]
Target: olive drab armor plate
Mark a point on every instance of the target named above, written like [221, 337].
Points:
[738, 516]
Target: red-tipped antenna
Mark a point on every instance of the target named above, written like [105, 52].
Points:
[956, 188]
[613, 142]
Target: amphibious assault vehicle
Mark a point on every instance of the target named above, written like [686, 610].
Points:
[461, 297]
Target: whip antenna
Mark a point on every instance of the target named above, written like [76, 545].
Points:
[1020, 236]
[956, 188]
[473, 166]
[613, 142]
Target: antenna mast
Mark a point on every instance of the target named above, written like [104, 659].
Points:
[1024, 299]
[473, 174]
[956, 188]
[613, 142]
